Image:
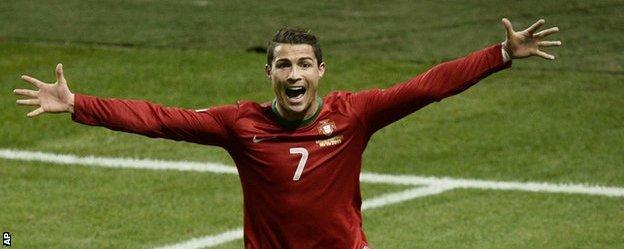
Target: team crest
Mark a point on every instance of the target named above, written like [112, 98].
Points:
[327, 127]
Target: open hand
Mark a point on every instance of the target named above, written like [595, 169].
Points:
[52, 98]
[527, 43]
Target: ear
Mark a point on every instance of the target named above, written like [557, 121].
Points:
[321, 69]
[267, 70]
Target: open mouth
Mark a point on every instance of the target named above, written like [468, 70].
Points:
[295, 92]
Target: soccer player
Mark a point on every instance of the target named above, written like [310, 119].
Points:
[299, 155]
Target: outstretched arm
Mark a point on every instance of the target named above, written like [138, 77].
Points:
[209, 126]
[378, 108]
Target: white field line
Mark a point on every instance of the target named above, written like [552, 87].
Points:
[496, 185]
[406, 195]
[364, 177]
[208, 241]
[112, 162]
[383, 200]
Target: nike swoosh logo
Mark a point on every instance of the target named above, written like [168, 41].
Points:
[257, 140]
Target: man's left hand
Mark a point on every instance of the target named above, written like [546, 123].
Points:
[522, 44]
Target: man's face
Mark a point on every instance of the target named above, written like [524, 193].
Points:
[295, 74]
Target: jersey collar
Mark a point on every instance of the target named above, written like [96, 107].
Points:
[293, 124]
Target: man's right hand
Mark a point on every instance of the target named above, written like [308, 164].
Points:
[51, 98]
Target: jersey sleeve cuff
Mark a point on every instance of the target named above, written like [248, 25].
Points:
[80, 114]
[497, 53]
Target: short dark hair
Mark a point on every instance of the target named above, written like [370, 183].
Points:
[294, 36]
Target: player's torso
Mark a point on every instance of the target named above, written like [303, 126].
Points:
[301, 186]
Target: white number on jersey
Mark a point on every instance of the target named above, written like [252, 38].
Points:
[302, 161]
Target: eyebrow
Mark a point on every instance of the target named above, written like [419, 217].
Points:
[300, 59]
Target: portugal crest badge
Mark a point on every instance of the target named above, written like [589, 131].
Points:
[326, 127]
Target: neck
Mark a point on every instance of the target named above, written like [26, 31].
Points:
[295, 116]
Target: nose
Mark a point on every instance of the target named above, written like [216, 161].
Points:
[294, 76]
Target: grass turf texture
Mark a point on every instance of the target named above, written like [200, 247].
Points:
[539, 121]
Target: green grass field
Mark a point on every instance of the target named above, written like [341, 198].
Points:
[540, 121]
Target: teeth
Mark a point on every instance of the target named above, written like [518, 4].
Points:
[295, 88]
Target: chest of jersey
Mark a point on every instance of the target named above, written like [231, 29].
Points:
[314, 153]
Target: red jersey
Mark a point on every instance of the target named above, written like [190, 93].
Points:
[300, 181]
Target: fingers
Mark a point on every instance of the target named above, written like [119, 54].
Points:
[549, 43]
[535, 26]
[60, 77]
[508, 26]
[544, 55]
[28, 102]
[35, 112]
[35, 102]
[26, 92]
[546, 32]
[35, 82]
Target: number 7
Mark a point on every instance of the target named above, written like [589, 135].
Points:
[302, 161]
